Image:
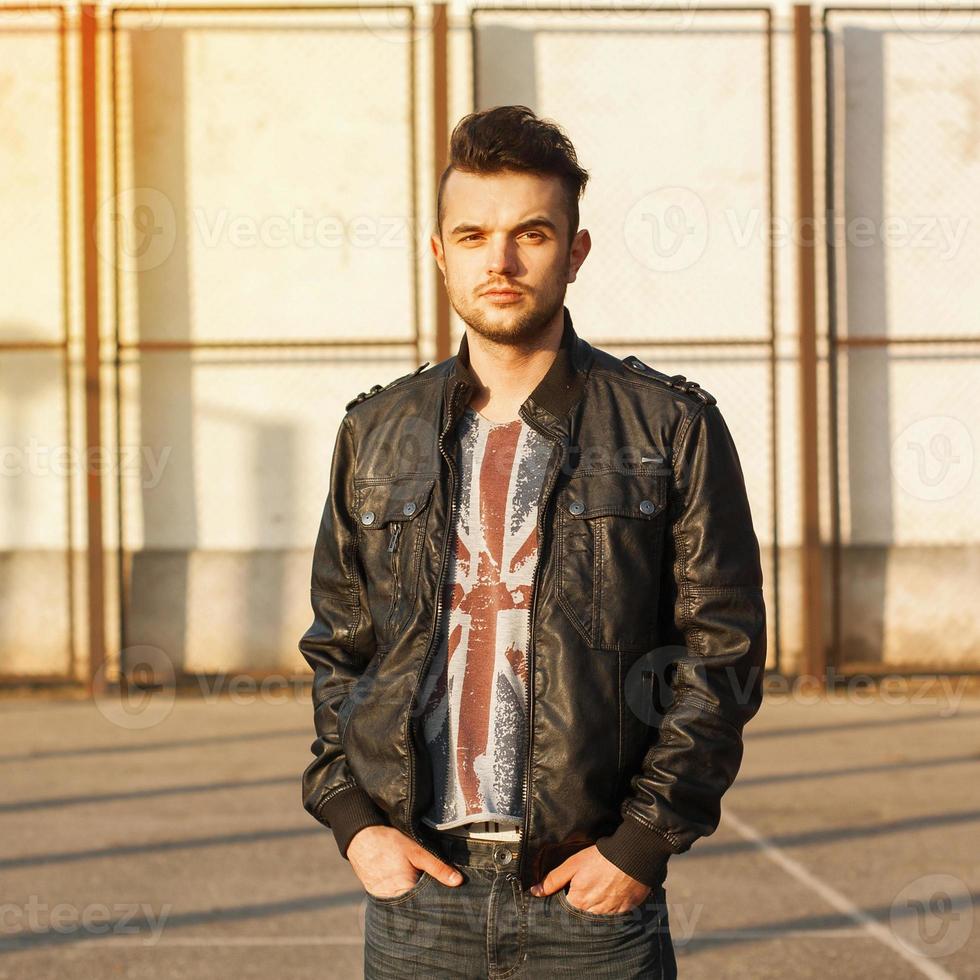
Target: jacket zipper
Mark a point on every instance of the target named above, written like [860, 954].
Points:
[396, 527]
[435, 631]
[529, 645]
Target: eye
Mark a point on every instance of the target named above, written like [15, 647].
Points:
[538, 233]
[468, 237]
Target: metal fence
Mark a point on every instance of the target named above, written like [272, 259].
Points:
[133, 361]
[20, 346]
[624, 47]
[921, 337]
[140, 350]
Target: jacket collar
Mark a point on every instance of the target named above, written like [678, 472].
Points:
[555, 394]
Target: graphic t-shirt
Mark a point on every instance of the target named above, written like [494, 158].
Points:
[475, 694]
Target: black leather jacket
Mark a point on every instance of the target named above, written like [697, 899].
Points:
[648, 629]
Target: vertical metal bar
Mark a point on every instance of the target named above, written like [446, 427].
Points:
[413, 190]
[440, 154]
[833, 352]
[93, 432]
[124, 560]
[474, 61]
[65, 353]
[812, 606]
[773, 359]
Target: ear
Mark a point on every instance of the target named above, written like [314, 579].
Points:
[581, 246]
[435, 244]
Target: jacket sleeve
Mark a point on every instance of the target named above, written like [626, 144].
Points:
[338, 645]
[713, 610]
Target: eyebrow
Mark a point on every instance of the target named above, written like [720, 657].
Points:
[538, 222]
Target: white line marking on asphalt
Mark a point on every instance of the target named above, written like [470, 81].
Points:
[834, 898]
[138, 942]
[727, 935]
[264, 941]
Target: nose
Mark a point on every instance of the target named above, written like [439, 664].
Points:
[503, 258]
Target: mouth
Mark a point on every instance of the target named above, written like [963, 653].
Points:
[503, 295]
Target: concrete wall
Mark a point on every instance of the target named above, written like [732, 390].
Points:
[266, 193]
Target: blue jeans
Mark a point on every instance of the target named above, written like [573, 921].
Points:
[489, 927]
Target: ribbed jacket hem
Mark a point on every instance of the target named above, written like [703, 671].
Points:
[349, 811]
[639, 851]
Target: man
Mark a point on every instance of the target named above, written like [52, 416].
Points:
[539, 626]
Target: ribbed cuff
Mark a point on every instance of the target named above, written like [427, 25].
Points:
[639, 851]
[349, 811]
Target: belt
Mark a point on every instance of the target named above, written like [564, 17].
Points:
[485, 830]
[471, 852]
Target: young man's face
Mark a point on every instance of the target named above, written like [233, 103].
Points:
[507, 231]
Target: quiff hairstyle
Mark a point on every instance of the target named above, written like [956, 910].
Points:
[512, 137]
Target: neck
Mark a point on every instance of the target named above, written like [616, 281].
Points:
[507, 373]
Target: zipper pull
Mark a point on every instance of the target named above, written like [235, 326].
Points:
[396, 527]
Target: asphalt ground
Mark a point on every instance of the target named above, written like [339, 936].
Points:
[168, 840]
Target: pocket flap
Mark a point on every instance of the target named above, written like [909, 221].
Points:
[641, 495]
[401, 499]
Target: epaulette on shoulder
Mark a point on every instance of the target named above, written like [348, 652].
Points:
[374, 389]
[676, 381]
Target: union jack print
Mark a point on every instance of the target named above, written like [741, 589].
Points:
[473, 718]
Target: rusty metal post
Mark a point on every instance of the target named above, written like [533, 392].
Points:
[440, 153]
[814, 659]
[93, 402]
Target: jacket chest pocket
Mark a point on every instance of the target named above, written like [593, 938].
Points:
[610, 550]
[391, 519]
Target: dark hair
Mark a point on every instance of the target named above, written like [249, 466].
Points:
[512, 137]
